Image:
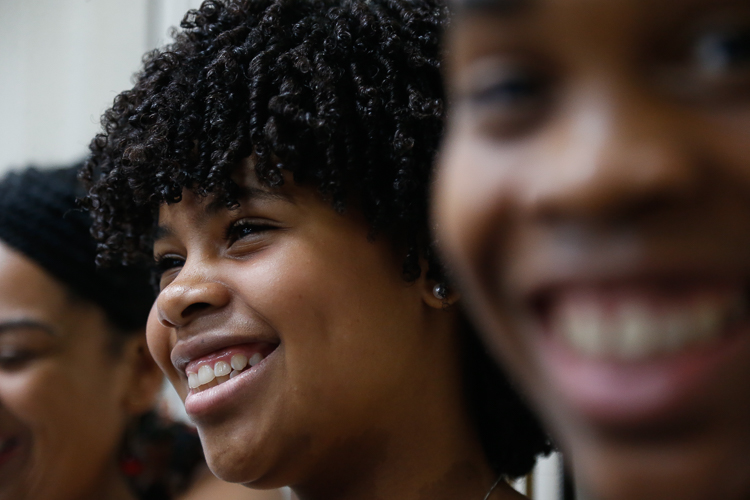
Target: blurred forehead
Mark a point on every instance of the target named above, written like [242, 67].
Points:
[511, 10]
[579, 27]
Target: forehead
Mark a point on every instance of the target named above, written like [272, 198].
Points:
[39, 291]
[642, 11]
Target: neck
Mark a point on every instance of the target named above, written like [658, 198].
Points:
[413, 468]
[426, 448]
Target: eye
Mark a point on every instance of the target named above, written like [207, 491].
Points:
[166, 267]
[246, 228]
[168, 262]
[12, 359]
[505, 99]
[722, 52]
[509, 90]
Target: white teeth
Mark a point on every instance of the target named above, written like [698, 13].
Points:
[633, 329]
[239, 361]
[222, 369]
[709, 320]
[205, 375]
[193, 380]
[581, 326]
[255, 359]
[638, 334]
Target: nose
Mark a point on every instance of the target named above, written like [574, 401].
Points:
[189, 296]
[618, 155]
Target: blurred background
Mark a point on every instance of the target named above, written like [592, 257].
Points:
[63, 62]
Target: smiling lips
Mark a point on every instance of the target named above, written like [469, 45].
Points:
[635, 353]
[224, 365]
[634, 325]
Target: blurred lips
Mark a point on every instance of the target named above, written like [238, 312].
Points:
[636, 351]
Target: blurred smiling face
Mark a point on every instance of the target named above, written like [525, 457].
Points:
[62, 408]
[594, 199]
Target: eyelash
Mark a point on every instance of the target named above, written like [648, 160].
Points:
[235, 230]
[166, 262]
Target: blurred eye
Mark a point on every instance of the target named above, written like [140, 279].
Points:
[12, 358]
[718, 53]
[504, 100]
[712, 65]
[509, 91]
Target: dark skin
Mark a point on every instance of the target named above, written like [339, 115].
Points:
[596, 168]
[361, 396]
[65, 397]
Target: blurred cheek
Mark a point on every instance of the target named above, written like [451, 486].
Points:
[47, 407]
[472, 201]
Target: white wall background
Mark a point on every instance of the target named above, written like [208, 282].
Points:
[62, 62]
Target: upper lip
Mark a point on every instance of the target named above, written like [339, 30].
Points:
[549, 258]
[205, 343]
[546, 282]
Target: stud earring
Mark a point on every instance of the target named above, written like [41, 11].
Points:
[440, 291]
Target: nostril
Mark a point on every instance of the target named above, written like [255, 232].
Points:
[164, 321]
[194, 308]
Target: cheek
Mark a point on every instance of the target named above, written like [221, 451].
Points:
[730, 140]
[342, 310]
[73, 423]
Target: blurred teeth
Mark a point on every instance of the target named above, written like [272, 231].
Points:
[635, 330]
[222, 371]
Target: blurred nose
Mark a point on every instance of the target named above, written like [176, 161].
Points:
[191, 295]
[618, 155]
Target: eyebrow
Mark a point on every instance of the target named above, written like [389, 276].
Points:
[27, 324]
[245, 193]
[504, 8]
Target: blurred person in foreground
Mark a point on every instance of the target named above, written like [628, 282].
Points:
[594, 201]
[76, 379]
[275, 162]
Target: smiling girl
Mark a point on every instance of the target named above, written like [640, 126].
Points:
[275, 162]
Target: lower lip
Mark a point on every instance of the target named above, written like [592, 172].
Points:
[615, 392]
[216, 399]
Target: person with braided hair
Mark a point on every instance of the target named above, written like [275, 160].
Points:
[274, 162]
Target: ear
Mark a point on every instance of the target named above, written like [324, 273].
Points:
[144, 376]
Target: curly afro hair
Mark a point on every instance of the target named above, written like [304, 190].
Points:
[345, 94]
